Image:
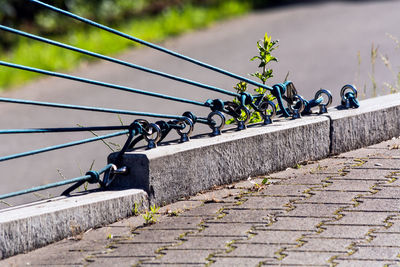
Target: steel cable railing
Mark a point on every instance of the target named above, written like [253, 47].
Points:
[154, 133]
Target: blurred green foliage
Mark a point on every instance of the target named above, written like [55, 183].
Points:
[29, 16]
[154, 25]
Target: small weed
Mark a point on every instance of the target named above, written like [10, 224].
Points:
[258, 187]
[265, 48]
[135, 210]
[150, 217]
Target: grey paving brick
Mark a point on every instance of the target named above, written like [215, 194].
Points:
[217, 194]
[325, 196]
[382, 164]
[114, 261]
[134, 250]
[307, 258]
[314, 210]
[243, 216]
[364, 173]
[361, 218]
[237, 261]
[395, 226]
[388, 192]
[205, 243]
[273, 237]
[295, 223]
[206, 210]
[345, 231]
[263, 202]
[375, 253]
[347, 185]
[354, 263]
[177, 256]
[309, 179]
[386, 144]
[379, 204]
[144, 236]
[175, 223]
[326, 245]
[360, 153]
[285, 190]
[220, 229]
[385, 239]
[252, 250]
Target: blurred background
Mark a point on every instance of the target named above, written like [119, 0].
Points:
[322, 44]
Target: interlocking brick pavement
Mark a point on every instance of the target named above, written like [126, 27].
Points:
[341, 211]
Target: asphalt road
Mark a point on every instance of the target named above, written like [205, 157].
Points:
[319, 43]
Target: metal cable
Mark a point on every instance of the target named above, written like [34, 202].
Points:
[114, 60]
[105, 110]
[109, 85]
[56, 147]
[151, 45]
[61, 183]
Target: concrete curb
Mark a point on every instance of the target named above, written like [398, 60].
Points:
[377, 120]
[35, 225]
[177, 170]
[174, 171]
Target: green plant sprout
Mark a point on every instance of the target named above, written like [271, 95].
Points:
[150, 217]
[265, 48]
[135, 209]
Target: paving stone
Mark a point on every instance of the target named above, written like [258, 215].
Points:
[295, 223]
[382, 164]
[361, 218]
[243, 216]
[345, 231]
[369, 263]
[364, 173]
[395, 227]
[237, 261]
[308, 179]
[360, 153]
[175, 223]
[324, 166]
[347, 185]
[205, 243]
[252, 250]
[386, 144]
[307, 258]
[263, 202]
[387, 192]
[73, 253]
[206, 210]
[134, 250]
[375, 253]
[285, 190]
[373, 179]
[314, 210]
[326, 245]
[379, 204]
[217, 194]
[385, 239]
[220, 229]
[273, 237]
[162, 236]
[184, 257]
[325, 196]
[114, 261]
[251, 182]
